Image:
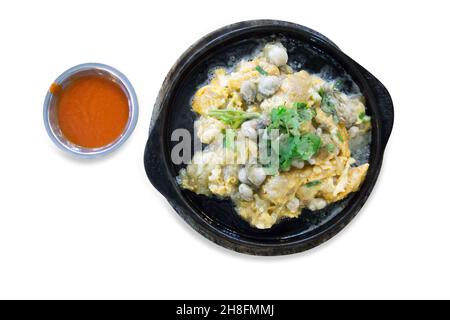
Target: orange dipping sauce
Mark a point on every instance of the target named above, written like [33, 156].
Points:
[92, 111]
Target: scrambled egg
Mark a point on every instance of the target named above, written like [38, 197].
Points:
[253, 91]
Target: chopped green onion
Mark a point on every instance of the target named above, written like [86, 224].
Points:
[321, 92]
[261, 71]
[363, 117]
[300, 105]
[234, 118]
[313, 183]
[229, 139]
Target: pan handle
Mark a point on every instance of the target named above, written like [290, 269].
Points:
[384, 100]
[155, 163]
[384, 104]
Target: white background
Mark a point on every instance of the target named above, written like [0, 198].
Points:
[73, 228]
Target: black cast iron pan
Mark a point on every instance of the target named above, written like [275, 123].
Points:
[216, 219]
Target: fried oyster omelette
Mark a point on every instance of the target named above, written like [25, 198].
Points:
[318, 127]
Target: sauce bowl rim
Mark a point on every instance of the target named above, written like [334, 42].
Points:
[125, 84]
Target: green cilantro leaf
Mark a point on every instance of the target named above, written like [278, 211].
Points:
[307, 146]
[339, 84]
[305, 113]
[328, 104]
[285, 120]
[331, 147]
[293, 144]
